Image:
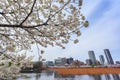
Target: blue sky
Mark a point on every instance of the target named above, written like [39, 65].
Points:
[103, 32]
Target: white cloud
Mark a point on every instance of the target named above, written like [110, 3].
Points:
[89, 6]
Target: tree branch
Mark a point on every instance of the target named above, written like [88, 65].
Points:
[58, 11]
[29, 13]
[2, 13]
[20, 26]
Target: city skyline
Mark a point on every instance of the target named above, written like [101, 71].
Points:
[105, 58]
[103, 32]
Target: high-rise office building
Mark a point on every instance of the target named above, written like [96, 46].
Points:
[58, 62]
[69, 60]
[88, 62]
[49, 63]
[102, 60]
[117, 62]
[92, 57]
[64, 61]
[108, 56]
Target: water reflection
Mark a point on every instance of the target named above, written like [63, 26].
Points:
[48, 72]
[97, 77]
[57, 76]
[38, 75]
[107, 77]
[116, 76]
[50, 75]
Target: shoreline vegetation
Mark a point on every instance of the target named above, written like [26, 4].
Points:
[82, 71]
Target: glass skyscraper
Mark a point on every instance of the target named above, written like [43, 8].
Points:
[102, 60]
[92, 57]
[108, 56]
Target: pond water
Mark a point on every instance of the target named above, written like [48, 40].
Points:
[50, 75]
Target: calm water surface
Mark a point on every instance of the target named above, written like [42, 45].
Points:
[50, 75]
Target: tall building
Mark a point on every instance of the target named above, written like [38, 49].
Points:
[88, 62]
[64, 61]
[102, 60]
[49, 63]
[117, 62]
[92, 57]
[58, 62]
[108, 56]
[70, 60]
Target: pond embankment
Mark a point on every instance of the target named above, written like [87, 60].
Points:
[81, 71]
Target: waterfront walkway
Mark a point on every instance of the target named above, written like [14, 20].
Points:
[80, 71]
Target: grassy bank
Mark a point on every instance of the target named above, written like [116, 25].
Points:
[79, 71]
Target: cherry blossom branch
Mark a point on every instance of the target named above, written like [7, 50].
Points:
[29, 13]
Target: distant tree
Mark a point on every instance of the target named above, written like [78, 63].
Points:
[44, 22]
[37, 66]
[92, 65]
